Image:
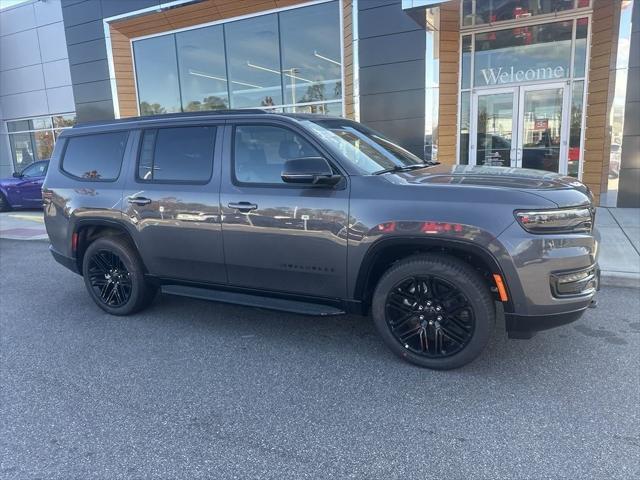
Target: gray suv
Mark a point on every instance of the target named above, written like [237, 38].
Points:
[320, 216]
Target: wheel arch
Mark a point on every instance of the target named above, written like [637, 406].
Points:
[387, 251]
[90, 229]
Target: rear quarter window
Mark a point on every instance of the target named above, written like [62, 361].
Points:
[95, 157]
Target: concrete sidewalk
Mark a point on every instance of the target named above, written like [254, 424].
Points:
[619, 249]
[620, 246]
[22, 225]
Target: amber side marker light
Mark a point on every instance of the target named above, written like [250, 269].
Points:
[502, 291]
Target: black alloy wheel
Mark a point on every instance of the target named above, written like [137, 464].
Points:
[115, 276]
[109, 278]
[429, 316]
[434, 310]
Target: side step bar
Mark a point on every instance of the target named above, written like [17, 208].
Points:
[270, 303]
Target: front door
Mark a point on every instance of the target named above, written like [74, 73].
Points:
[279, 236]
[521, 127]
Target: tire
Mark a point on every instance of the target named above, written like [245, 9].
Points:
[4, 204]
[114, 276]
[434, 311]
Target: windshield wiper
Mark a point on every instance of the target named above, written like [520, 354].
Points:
[405, 168]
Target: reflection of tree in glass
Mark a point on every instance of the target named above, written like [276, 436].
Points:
[314, 93]
[147, 108]
[209, 103]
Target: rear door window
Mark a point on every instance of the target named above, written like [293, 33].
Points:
[95, 157]
[180, 154]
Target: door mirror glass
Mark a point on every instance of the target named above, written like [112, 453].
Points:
[17, 175]
[309, 170]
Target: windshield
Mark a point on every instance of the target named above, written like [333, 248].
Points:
[362, 147]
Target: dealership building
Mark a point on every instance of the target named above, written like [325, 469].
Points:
[544, 84]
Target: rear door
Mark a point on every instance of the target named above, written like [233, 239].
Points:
[280, 236]
[171, 201]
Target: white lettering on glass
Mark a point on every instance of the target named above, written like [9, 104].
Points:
[496, 76]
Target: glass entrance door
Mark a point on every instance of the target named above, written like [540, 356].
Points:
[494, 123]
[520, 127]
[541, 133]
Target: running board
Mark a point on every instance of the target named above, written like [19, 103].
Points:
[270, 303]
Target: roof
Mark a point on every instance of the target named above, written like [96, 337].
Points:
[131, 122]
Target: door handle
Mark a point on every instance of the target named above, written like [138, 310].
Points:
[139, 200]
[243, 206]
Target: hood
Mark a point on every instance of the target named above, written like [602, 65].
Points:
[560, 189]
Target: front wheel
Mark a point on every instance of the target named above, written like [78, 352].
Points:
[4, 204]
[434, 311]
[114, 276]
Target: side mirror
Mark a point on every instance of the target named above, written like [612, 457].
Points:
[309, 170]
[17, 175]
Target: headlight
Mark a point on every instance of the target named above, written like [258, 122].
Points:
[565, 220]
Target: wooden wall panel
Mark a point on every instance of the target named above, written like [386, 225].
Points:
[347, 39]
[448, 55]
[600, 93]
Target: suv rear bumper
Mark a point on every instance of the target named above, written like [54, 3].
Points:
[65, 261]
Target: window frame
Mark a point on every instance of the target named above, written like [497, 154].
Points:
[63, 155]
[300, 132]
[143, 130]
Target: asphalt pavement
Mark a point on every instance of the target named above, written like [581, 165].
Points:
[192, 389]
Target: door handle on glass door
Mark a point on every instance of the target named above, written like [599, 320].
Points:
[243, 206]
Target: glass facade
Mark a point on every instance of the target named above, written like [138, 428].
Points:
[33, 139]
[287, 61]
[533, 74]
[482, 12]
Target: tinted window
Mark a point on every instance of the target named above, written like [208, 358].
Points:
[95, 157]
[260, 152]
[38, 169]
[182, 154]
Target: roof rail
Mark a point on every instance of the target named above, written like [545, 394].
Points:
[169, 116]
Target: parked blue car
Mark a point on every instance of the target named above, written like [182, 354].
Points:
[24, 190]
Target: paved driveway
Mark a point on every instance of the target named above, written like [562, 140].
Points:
[190, 389]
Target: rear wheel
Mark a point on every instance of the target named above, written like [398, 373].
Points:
[434, 311]
[4, 204]
[114, 276]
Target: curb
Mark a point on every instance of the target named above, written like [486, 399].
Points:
[619, 279]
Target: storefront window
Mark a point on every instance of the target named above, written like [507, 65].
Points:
[523, 54]
[33, 139]
[575, 129]
[253, 58]
[464, 127]
[480, 12]
[466, 61]
[157, 75]
[203, 72]
[580, 55]
[311, 60]
[285, 61]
